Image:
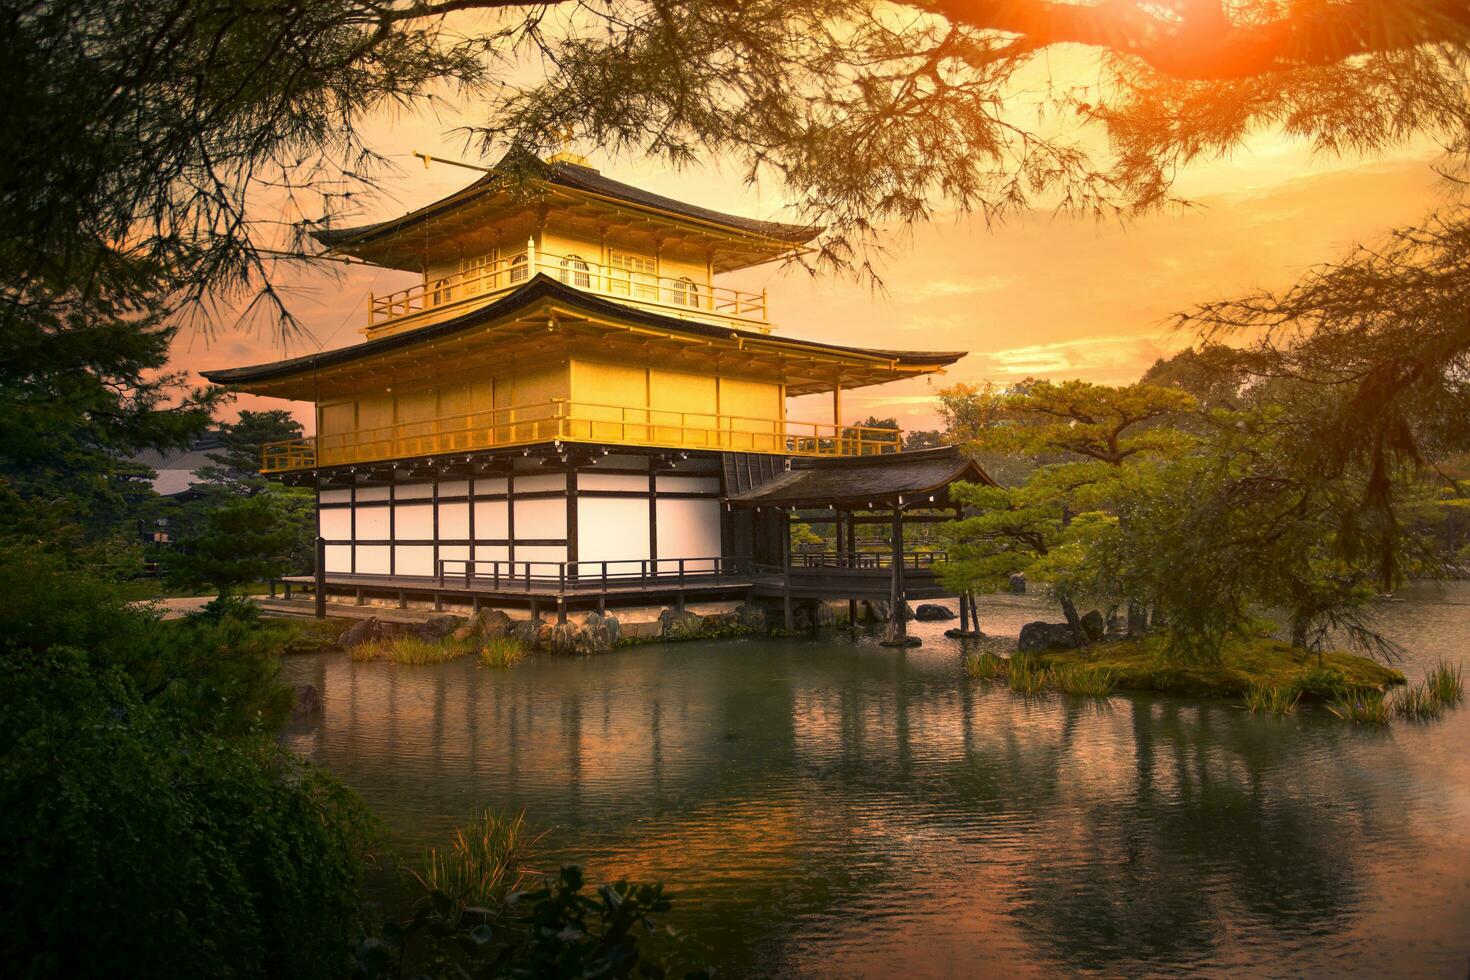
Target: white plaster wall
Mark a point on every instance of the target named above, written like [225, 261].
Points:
[491, 552]
[413, 522]
[454, 520]
[335, 523]
[624, 462]
[688, 484]
[454, 488]
[612, 481]
[336, 496]
[339, 557]
[490, 519]
[539, 482]
[414, 560]
[372, 493]
[612, 528]
[489, 484]
[688, 529]
[540, 518]
[372, 559]
[413, 491]
[372, 524]
[540, 553]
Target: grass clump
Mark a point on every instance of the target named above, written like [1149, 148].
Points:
[1418, 703]
[1081, 679]
[486, 861]
[1026, 674]
[1446, 682]
[985, 666]
[1364, 707]
[1271, 700]
[501, 651]
[409, 648]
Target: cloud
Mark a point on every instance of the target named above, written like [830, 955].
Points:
[1113, 358]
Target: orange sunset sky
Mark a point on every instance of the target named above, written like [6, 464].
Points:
[1040, 295]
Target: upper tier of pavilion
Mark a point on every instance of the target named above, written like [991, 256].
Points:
[566, 220]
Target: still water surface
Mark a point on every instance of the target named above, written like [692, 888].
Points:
[831, 808]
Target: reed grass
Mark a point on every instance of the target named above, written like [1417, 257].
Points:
[1026, 675]
[487, 860]
[1082, 680]
[1261, 699]
[501, 651]
[985, 666]
[1447, 682]
[1418, 703]
[1363, 706]
[409, 648]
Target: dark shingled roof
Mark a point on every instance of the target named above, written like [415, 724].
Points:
[542, 286]
[575, 177]
[857, 480]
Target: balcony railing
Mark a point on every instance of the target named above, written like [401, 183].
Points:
[579, 422]
[666, 294]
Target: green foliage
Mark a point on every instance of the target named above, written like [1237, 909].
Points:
[133, 845]
[553, 931]
[235, 467]
[1419, 702]
[501, 651]
[486, 861]
[239, 540]
[1260, 699]
[1026, 674]
[215, 672]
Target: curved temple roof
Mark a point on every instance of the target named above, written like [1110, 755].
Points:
[572, 177]
[544, 289]
[870, 480]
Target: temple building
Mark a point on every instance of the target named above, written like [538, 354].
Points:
[569, 409]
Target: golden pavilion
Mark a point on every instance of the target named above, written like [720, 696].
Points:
[569, 407]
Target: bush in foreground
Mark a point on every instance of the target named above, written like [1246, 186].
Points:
[133, 847]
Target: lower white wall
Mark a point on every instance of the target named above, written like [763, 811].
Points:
[612, 528]
[688, 529]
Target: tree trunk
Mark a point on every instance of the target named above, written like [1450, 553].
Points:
[1137, 620]
[1069, 609]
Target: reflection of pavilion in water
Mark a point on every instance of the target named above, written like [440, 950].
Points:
[802, 785]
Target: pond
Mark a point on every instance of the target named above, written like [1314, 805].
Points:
[832, 808]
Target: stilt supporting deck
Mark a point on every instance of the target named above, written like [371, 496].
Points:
[321, 577]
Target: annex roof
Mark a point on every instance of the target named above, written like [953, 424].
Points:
[542, 299]
[511, 178]
[872, 481]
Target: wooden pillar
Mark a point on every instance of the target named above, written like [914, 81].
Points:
[964, 614]
[321, 577]
[895, 585]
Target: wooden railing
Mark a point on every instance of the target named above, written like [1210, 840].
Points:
[600, 576]
[676, 296]
[580, 422]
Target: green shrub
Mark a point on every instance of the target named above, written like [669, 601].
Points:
[1324, 683]
[554, 931]
[501, 651]
[1274, 700]
[132, 846]
[486, 861]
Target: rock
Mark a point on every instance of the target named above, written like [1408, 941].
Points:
[308, 701]
[893, 638]
[487, 624]
[639, 632]
[751, 618]
[930, 612]
[440, 625]
[681, 626]
[1018, 584]
[562, 638]
[824, 615]
[528, 632]
[364, 631]
[1094, 627]
[1037, 637]
[599, 634]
